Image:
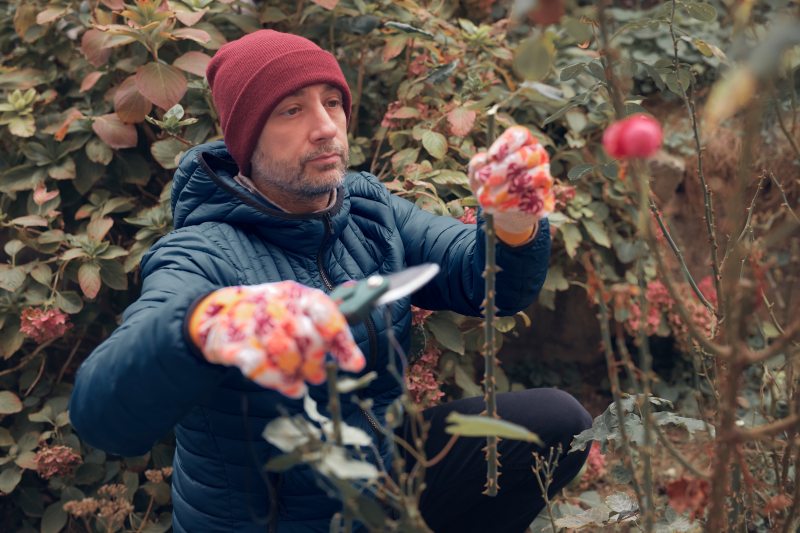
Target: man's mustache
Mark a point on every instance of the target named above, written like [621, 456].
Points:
[322, 150]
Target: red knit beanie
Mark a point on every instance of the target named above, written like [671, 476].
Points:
[250, 76]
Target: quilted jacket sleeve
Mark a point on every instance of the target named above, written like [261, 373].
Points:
[460, 251]
[140, 382]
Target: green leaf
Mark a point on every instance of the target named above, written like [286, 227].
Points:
[168, 152]
[99, 152]
[9, 403]
[504, 324]
[11, 278]
[69, 302]
[54, 519]
[164, 85]
[572, 238]
[23, 126]
[572, 71]
[578, 171]
[13, 247]
[533, 58]
[406, 28]
[555, 280]
[435, 143]
[11, 339]
[466, 382]
[64, 170]
[30, 220]
[6, 440]
[446, 333]
[483, 426]
[113, 275]
[597, 232]
[10, 478]
[701, 11]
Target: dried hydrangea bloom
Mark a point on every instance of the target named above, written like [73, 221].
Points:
[56, 461]
[278, 334]
[43, 325]
[514, 175]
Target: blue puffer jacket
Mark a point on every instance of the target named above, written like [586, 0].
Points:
[147, 379]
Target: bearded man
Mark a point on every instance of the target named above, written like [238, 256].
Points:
[233, 323]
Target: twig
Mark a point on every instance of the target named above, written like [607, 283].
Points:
[767, 430]
[790, 518]
[71, 356]
[546, 467]
[783, 195]
[359, 91]
[679, 254]
[441, 455]
[786, 132]
[489, 348]
[27, 359]
[38, 377]
[647, 420]
[674, 452]
[334, 408]
[707, 199]
[776, 347]
[146, 515]
[615, 388]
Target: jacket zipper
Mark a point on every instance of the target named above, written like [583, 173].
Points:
[371, 332]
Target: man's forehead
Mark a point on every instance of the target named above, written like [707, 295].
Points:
[324, 87]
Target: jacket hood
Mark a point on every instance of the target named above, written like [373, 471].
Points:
[204, 190]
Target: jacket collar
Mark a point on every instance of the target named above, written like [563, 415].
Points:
[204, 190]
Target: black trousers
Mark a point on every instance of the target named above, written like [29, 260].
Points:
[453, 499]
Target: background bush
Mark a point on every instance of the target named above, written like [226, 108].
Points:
[101, 98]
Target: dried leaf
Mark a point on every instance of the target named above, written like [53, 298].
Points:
[192, 34]
[71, 116]
[98, 228]
[461, 121]
[51, 14]
[93, 47]
[89, 279]
[193, 63]
[89, 80]
[190, 18]
[164, 85]
[114, 132]
[130, 104]
[326, 4]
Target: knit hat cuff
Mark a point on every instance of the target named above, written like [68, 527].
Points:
[274, 81]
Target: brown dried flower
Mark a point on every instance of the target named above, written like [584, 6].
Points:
[56, 461]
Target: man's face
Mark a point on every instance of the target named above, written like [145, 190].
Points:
[302, 151]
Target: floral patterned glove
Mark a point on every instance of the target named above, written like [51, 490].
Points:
[513, 182]
[276, 333]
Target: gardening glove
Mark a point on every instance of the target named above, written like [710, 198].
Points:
[512, 181]
[277, 334]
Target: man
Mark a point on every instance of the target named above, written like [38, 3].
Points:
[274, 203]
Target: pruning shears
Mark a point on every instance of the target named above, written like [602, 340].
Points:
[357, 298]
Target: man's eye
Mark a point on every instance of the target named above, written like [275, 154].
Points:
[334, 103]
[292, 111]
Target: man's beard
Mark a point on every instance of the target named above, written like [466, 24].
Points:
[292, 179]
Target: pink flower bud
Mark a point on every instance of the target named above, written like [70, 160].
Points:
[637, 136]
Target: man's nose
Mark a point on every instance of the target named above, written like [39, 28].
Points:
[324, 125]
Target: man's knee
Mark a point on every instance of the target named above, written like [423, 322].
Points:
[556, 416]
